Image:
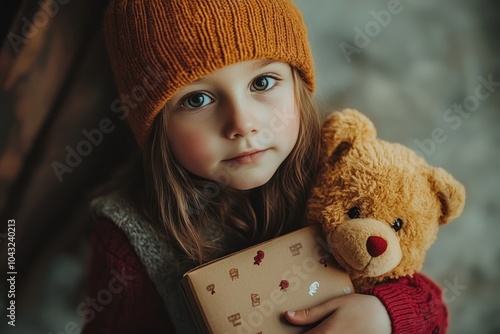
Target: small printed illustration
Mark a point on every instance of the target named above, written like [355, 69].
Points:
[234, 274]
[211, 288]
[235, 319]
[324, 261]
[295, 249]
[255, 299]
[284, 284]
[258, 258]
[313, 288]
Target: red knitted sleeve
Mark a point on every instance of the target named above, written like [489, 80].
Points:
[121, 297]
[414, 304]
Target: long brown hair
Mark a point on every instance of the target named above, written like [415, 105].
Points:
[181, 205]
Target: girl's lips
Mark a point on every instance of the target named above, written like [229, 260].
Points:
[246, 158]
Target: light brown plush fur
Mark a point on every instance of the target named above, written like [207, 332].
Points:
[386, 181]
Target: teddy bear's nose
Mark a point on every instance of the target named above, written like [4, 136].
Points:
[376, 246]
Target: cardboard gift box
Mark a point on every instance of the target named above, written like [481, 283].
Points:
[249, 291]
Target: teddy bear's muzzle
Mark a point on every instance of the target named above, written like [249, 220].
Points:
[365, 246]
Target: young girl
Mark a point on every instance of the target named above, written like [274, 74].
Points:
[218, 94]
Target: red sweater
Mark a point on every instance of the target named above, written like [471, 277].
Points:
[122, 298]
[414, 304]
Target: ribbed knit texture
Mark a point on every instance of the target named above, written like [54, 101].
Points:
[135, 305]
[158, 46]
[414, 305]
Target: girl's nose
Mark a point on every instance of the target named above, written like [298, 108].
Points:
[240, 119]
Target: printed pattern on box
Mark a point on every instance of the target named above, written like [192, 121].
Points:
[248, 292]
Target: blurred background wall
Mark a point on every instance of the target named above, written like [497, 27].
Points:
[414, 67]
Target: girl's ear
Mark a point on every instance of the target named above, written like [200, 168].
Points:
[342, 129]
[450, 193]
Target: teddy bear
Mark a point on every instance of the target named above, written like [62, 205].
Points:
[380, 205]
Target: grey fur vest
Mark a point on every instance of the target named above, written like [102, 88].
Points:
[161, 264]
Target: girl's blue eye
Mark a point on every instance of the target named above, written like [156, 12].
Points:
[196, 100]
[263, 83]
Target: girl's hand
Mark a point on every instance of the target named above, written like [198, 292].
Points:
[354, 313]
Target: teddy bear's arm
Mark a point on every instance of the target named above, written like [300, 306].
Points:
[414, 304]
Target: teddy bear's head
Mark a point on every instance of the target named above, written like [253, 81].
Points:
[379, 203]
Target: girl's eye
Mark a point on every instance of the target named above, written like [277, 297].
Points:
[263, 83]
[196, 100]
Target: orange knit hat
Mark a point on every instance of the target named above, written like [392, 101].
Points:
[159, 46]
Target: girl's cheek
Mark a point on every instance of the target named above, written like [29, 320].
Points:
[194, 144]
[285, 117]
[294, 125]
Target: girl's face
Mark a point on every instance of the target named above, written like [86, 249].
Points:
[237, 124]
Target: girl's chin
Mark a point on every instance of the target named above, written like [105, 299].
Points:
[246, 184]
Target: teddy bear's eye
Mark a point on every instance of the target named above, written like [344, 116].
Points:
[354, 212]
[397, 225]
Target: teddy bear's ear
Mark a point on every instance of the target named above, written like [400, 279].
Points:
[450, 192]
[342, 129]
